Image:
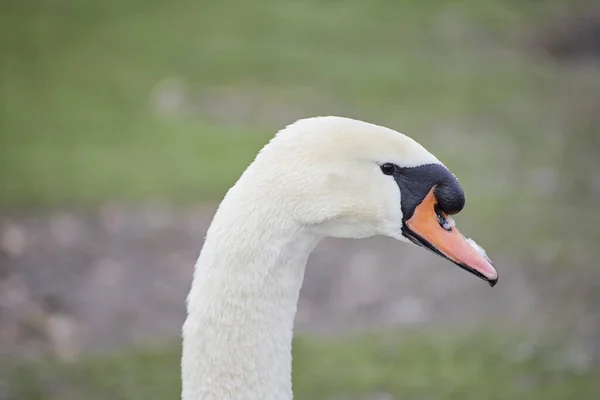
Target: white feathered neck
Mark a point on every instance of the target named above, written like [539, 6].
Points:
[238, 334]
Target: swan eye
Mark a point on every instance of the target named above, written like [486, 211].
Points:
[388, 168]
[445, 221]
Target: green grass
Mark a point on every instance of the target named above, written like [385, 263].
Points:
[407, 366]
[78, 125]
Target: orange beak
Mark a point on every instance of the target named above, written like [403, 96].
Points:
[429, 227]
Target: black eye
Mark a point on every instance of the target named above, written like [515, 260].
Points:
[388, 168]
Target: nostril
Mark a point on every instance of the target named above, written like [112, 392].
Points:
[445, 221]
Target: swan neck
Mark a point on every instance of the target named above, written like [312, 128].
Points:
[237, 337]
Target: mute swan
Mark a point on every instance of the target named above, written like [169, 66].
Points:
[318, 177]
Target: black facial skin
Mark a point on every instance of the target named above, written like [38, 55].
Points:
[415, 183]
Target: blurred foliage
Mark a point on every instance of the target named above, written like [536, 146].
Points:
[414, 365]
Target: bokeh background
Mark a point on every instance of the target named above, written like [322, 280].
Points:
[123, 122]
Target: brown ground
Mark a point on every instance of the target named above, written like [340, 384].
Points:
[72, 282]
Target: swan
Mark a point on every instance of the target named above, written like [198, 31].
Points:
[318, 177]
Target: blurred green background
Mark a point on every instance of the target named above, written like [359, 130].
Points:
[135, 102]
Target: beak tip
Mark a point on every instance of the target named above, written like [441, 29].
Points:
[493, 282]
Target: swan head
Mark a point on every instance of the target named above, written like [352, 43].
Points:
[345, 178]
